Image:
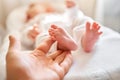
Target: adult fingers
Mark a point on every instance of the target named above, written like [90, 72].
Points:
[67, 62]
[14, 47]
[55, 54]
[61, 57]
[14, 44]
[44, 46]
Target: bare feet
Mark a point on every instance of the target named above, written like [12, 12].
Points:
[90, 36]
[65, 42]
[70, 3]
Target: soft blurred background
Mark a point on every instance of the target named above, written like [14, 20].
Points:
[112, 14]
[107, 12]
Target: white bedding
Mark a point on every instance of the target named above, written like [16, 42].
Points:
[101, 64]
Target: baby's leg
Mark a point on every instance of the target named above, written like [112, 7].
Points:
[65, 41]
[90, 36]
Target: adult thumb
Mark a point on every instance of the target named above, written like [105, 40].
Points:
[14, 44]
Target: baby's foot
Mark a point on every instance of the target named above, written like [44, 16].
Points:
[91, 36]
[65, 41]
[70, 3]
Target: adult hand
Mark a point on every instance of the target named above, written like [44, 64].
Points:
[36, 65]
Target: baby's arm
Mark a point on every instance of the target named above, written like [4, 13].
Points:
[33, 32]
[28, 36]
[90, 36]
[25, 40]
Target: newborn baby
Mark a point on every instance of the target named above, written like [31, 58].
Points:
[73, 21]
[37, 8]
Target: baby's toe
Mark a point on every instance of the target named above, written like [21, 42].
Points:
[53, 38]
[54, 26]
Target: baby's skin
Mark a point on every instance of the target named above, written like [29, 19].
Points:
[33, 32]
[65, 41]
[70, 3]
[90, 36]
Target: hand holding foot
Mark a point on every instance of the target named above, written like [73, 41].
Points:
[37, 64]
[90, 36]
[63, 38]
